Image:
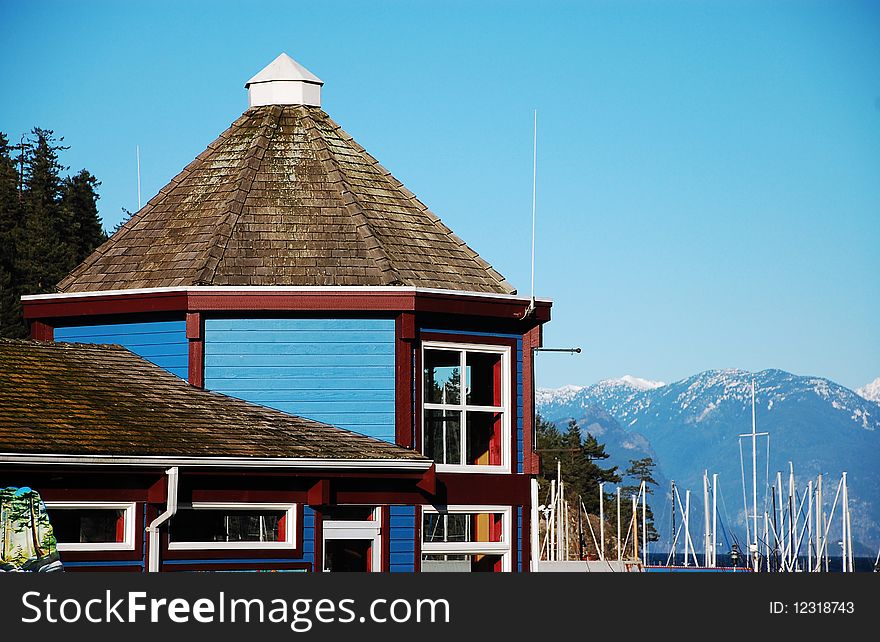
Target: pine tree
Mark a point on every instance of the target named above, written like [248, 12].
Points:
[46, 249]
[11, 229]
[79, 198]
[639, 470]
[577, 458]
[48, 224]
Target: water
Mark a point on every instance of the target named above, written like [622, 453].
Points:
[861, 564]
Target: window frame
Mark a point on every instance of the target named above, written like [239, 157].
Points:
[290, 524]
[502, 548]
[463, 407]
[365, 529]
[128, 508]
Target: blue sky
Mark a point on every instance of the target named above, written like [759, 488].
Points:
[709, 173]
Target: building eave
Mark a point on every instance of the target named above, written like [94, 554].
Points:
[403, 465]
[282, 298]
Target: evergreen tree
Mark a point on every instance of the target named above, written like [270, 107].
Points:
[639, 470]
[11, 228]
[46, 250]
[48, 223]
[79, 205]
[577, 458]
[126, 217]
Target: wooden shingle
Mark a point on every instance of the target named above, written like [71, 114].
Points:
[284, 197]
[78, 399]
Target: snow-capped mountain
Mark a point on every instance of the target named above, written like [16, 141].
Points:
[611, 393]
[693, 424]
[871, 391]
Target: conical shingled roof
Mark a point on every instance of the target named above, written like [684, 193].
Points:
[284, 197]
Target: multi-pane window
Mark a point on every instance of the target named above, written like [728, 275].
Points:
[466, 539]
[209, 525]
[466, 406]
[92, 526]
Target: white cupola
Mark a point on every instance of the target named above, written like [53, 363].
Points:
[284, 82]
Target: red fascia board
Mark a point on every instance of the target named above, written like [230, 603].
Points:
[230, 301]
[430, 302]
[312, 301]
[105, 305]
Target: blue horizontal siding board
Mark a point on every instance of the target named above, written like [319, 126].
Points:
[400, 546]
[328, 347]
[310, 336]
[401, 519]
[308, 360]
[161, 342]
[309, 384]
[340, 419]
[402, 559]
[300, 372]
[309, 395]
[275, 324]
[338, 371]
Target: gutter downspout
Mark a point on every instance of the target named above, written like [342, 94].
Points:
[170, 510]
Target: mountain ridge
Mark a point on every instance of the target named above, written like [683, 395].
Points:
[694, 424]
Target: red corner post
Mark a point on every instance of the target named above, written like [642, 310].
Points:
[405, 335]
[531, 340]
[195, 336]
[42, 331]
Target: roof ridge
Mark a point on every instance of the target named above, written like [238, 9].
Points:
[148, 207]
[234, 204]
[373, 244]
[435, 220]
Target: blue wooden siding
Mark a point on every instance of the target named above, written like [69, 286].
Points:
[161, 342]
[402, 539]
[519, 383]
[308, 535]
[519, 539]
[339, 371]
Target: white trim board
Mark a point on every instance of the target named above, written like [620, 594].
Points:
[282, 289]
[218, 462]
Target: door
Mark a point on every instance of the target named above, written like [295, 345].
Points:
[352, 546]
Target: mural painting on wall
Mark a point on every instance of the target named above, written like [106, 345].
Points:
[27, 542]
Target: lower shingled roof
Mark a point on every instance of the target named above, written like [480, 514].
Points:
[77, 399]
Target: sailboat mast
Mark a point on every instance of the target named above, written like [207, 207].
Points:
[644, 524]
[619, 549]
[672, 535]
[754, 483]
[602, 521]
[706, 541]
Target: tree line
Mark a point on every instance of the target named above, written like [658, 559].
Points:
[579, 457]
[49, 221]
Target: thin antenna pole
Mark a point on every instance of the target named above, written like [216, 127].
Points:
[534, 200]
[138, 152]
